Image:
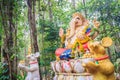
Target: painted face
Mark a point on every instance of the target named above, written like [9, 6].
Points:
[78, 21]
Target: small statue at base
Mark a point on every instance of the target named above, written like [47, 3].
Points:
[102, 68]
[33, 68]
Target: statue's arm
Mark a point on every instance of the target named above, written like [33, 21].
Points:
[95, 30]
[30, 69]
[95, 34]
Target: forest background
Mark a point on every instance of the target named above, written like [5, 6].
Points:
[35, 23]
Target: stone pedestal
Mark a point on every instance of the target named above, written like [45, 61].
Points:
[73, 76]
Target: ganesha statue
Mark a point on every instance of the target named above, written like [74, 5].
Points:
[80, 57]
[76, 37]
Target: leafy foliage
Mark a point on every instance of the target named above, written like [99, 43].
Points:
[3, 71]
[105, 11]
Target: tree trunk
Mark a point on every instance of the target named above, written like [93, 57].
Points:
[9, 29]
[50, 10]
[32, 24]
[73, 3]
[0, 49]
[85, 10]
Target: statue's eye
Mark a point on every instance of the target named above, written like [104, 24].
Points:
[78, 18]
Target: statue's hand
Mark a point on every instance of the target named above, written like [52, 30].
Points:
[61, 32]
[96, 23]
[81, 36]
[20, 65]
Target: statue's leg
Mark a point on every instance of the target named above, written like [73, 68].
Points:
[36, 79]
[27, 78]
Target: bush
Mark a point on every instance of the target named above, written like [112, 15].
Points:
[4, 74]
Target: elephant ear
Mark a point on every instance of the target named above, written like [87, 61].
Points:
[37, 54]
[106, 41]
